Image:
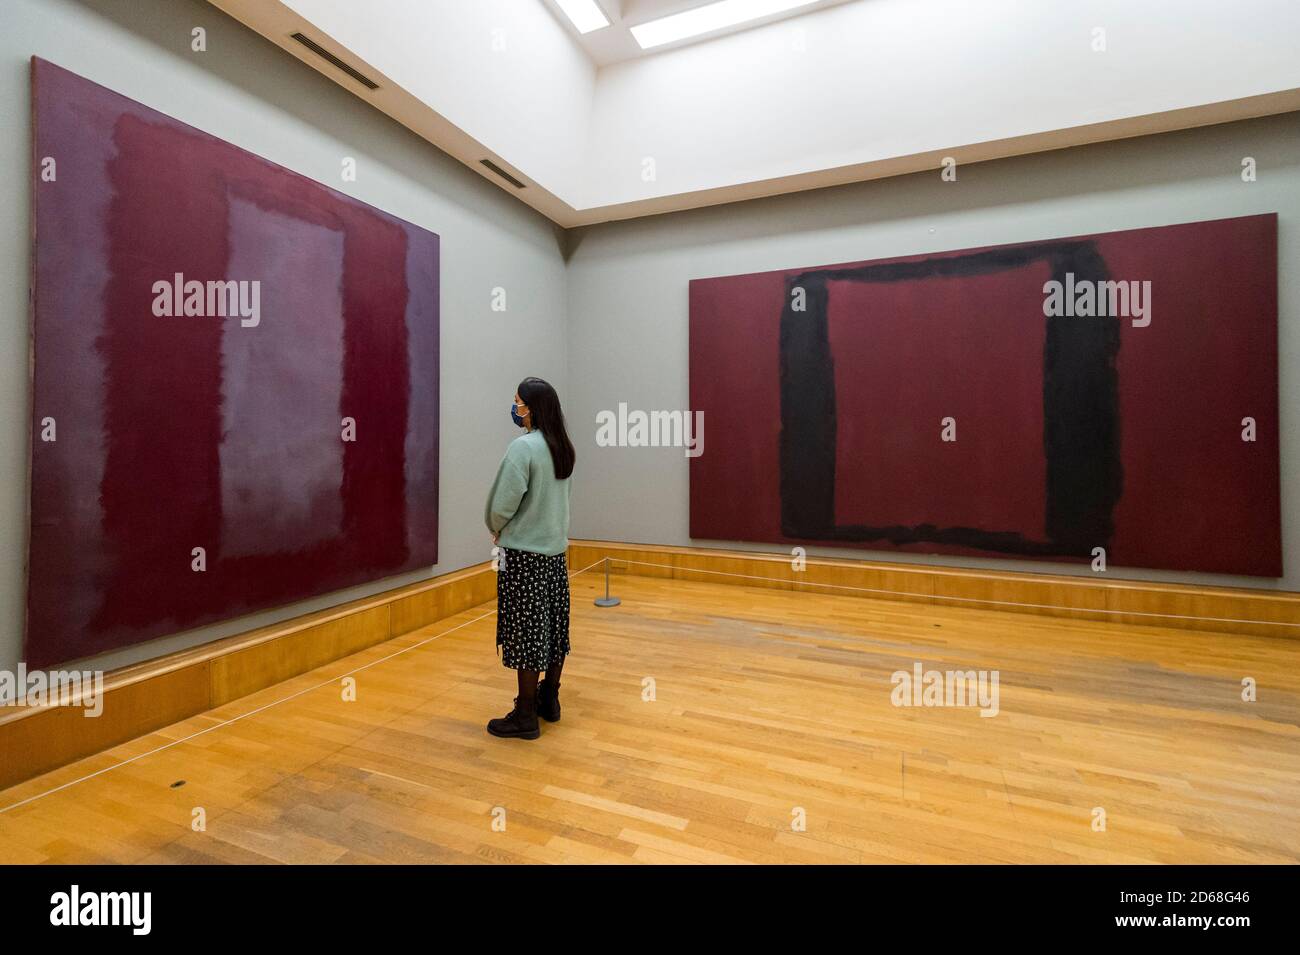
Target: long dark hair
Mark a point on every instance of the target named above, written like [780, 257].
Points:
[546, 415]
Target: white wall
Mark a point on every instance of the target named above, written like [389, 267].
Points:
[867, 81]
[624, 289]
[878, 79]
[249, 92]
[628, 292]
[504, 71]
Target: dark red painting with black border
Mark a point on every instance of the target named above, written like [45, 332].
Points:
[235, 380]
[961, 403]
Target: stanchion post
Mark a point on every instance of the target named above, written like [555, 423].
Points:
[607, 600]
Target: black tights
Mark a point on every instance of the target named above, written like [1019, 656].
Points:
[528, 684]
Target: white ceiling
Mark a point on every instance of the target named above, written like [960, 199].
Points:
[615, 43]
[843, 91]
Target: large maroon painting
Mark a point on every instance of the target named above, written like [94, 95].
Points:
[1038, 400]
[235, 380]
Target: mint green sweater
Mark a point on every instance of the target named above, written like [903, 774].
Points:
[527, 506]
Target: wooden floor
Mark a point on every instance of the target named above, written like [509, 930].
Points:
[765, 701]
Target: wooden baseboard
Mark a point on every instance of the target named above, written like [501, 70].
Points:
[1178, 606]
[148, 696]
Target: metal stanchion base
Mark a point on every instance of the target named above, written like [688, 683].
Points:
[607, 600]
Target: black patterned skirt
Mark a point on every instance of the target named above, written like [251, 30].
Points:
[532, 609]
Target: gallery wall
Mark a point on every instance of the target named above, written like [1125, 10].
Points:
[246, 91]
[862, 82]
[602, 312]
[530, 106]
[628, 296]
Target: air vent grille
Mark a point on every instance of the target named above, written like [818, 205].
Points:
[502, 173]
[333, 60]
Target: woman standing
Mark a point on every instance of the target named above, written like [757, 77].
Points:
[528, 515]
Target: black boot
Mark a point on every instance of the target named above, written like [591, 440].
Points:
[517, 724]
[548, 700]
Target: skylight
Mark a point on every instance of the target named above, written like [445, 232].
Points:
[585, 15]
[715, 16]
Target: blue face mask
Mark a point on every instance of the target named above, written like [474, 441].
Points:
[513, 414]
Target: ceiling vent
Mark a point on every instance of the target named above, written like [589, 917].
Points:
[502, 173]
[333, 60]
